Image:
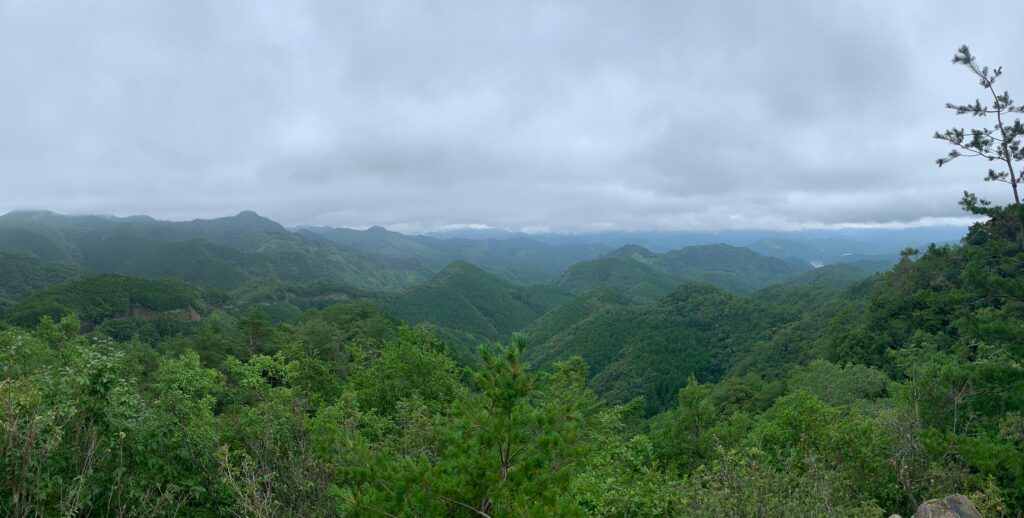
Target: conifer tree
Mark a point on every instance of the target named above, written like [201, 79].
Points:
[1000, 144]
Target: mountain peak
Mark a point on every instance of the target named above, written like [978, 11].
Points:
[632, 251]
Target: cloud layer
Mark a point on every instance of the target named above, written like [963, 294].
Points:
[569, 116]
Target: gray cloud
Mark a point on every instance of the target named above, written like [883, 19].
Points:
[570, 116]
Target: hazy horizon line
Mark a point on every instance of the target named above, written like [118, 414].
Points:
[418, 228]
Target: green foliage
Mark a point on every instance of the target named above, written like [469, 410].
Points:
[645, 276]
[636, 280]
[683, 437]
[837, 385]
[652, 350]
[585, 307]
[224, 253]
[744, 483]
[68, 419]
[412, 367]
[831, 276]
[96, 298]
[620, 476]
[519, 260]
[15, 240]
[735, 269]
[21, 275]
[468, 299]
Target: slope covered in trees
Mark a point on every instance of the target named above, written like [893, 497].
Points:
[95, 298]
[22, 275]
[646, 276]
[222, 253]
[735, 269]
[651, 350]
[638, 281]
[520, 260]
[471, 306]
[32, 243]
[832, 276]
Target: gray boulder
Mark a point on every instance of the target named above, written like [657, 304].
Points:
[953, 506]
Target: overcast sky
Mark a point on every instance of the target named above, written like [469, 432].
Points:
[562, 116]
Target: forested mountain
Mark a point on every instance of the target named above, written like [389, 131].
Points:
[651, 350]
[223, 253]
[22, 275]
[736, 269]
[853, 245]
[588, 306]
[97, 298]
[228, 252]
[244, 231]
[833, 276]
[638, 281]
[520, 260]
[645, 276]
[30, 242]
[471, 306]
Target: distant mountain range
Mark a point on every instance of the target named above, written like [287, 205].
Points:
[645, 276]
[814, 243]
[471, 290]
[519, 259]
[223, 253]
[641, 317]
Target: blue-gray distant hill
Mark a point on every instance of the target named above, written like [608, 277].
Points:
[224, 253]
[516, 258]
[646, 276]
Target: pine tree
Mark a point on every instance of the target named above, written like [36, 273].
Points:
[1000, 144]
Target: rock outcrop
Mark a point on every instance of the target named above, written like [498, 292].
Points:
[953, 506]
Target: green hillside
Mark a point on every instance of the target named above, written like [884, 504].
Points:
[33, 243]
[830, 276]
[21, 275]
[651, 350]
[636, 280]
[646, 276]
[590, 305]
[465, 298]
[244, 231]
[283, 302]
[635, 252]
[735, 269]
[378, 240]
[519, 260]
[95, 298]
[224, 253]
